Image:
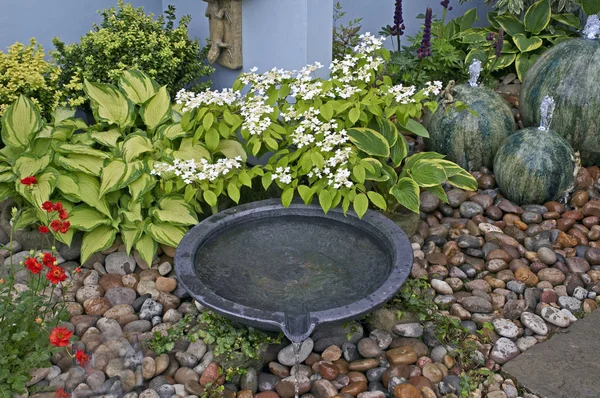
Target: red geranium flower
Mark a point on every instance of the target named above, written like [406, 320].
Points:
[29, 181]
[60, 393]
[43, 229]
[63, 215]
[58, 206]
[82, 358]
[77, 270]
[55, 225]
[62, 226]
[47, 205]
[48, 259]
[56, 274]
[33, 265]
[60, 336]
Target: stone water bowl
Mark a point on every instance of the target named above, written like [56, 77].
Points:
[290, 269]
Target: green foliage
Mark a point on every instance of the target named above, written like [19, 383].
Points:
[227, 340]
[127, 38]
[525, 38]
[345, 37]
[24, 71]
[447, 60]
[23, 340]
[518, 7]
[103, 172]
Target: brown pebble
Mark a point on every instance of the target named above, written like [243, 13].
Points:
[355, 388]
[526, 276]
[364, 364]
[357, 377]
[407, 391]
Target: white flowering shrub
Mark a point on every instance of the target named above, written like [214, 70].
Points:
[338, 139]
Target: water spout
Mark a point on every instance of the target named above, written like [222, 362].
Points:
[298, 327]
[474, 72]
[592, 27]
[546, 112]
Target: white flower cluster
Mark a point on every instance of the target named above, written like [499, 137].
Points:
[337, 175]
[190, 171]
[404, 94]
[261, 82]
[434, 88]
[368, 44]
[193, 100]
[255, 112]
[282, 174]
[346, 70]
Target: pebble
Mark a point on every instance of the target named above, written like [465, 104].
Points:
[555, 317]
[504, 350]
[505, 328]
[407, 330]
[535, 323]
[286, 355]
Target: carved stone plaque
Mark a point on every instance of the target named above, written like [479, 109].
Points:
[225, 27]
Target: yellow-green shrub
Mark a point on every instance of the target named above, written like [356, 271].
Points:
[23, 70]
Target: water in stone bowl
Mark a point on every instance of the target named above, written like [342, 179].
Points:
[292, 268]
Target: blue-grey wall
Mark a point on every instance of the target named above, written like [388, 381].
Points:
[43, 19]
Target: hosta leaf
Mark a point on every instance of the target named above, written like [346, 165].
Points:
[111, 175]
[174, 210]
[399, 151]
[406, 192]
[84, 163]
[537, 17]
[231, 149]
[134, 145]
[141, 185]
[527, 44]
[28, 165]
[138, 86]
[86, 218]
[107, 138]
[463, 181]
[510, 24]
[146, 247]
[410, 161]
[190, 150]
[80, 149]
[89, 191]
[111, 105]
[98, 239]
[130, 233]
[67, 185]
[523, 62]
[369, 141]
[427, 174]
[438, 191]
[20, 122]
[166, 233]
[156, 109]
[6, 191]
[172, 131]
[61, 113]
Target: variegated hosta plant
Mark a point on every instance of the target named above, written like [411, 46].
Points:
[102, 173]
[337, 139]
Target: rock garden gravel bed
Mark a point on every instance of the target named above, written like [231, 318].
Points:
[511, 275]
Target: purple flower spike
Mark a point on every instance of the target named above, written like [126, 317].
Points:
[398, 28]
[499, 43]
[445, 4]
[425, 49]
